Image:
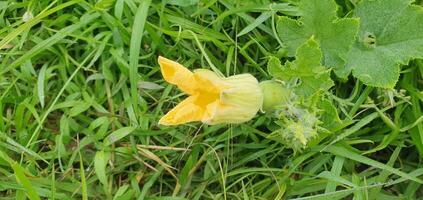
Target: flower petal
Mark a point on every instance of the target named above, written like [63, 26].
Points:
[208, 81]
[239, 101]
[184, 112]
[178, 75]
[219, 113]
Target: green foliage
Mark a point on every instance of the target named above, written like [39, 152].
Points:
[297, 127]
[371, 45]
[305, 75]
[390, 34]
[308, 79]
[319, 19]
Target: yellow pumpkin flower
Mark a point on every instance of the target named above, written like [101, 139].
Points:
[212, 99]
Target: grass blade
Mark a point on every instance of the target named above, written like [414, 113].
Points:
[134, 51]
[341, 151]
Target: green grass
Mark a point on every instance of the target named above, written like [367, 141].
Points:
[81, 94]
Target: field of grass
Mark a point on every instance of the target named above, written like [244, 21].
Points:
[81, 94]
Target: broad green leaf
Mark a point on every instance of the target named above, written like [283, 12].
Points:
[274, 67]
[307, 68]
[319, 19]
[391, 33]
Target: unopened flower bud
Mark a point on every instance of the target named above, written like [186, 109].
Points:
[274, 95]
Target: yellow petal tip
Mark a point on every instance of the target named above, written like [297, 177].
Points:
[176, 74]
[163, 122]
